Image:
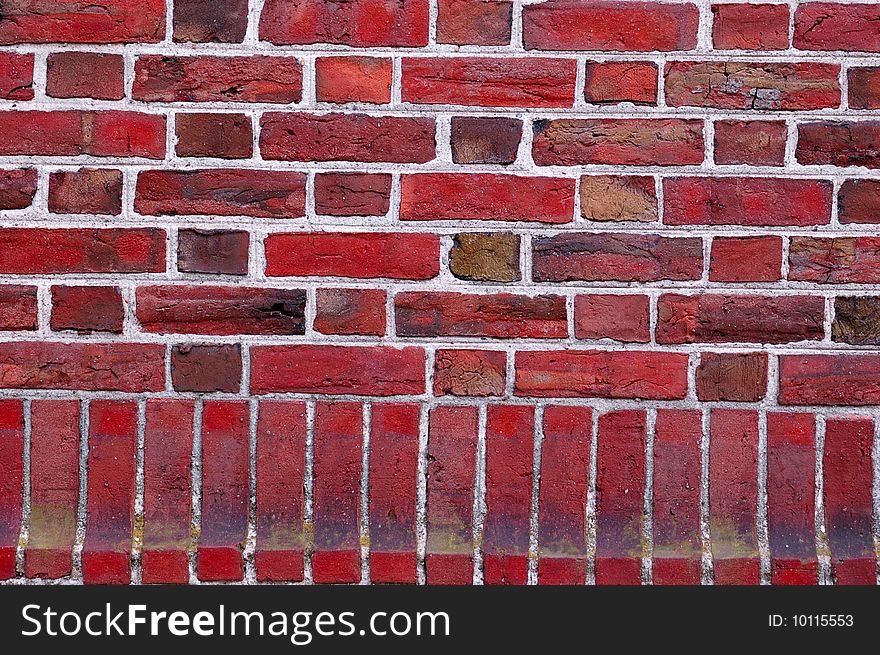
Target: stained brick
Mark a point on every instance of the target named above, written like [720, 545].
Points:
[11, 483]
[469, 372]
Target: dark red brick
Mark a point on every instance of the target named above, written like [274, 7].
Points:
[858, 201]
[17, 187]
[11, 482]
[864, 87]
[750, 27]
[826, 379]
[746, 259]
[228, 136]
[839, 143]
[755, 143]
[352, 194]
[350, 311]
[85, 75]
[834, 260]
[218, 252]
[18, 307]
[206, 368]
[474, 22]
[87, 309]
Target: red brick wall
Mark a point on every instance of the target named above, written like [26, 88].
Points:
[439, 291]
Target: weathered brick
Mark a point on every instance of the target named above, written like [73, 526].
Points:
[509, 448]
[733, 496]
[486, 196]
[17, 187]
[225, 490]
[834, 260]
[612, 26]
[676, 497]
[746, 259]
[86, 191]
[219, 310]
[492, 257]
[837, 26]
[613, 82]
[608, 316]
[839, 143]
[856, 320]
[16, 76]
[618, 198]
[394, 453]
[347, 137]
[624, 257]
[620, 495]
[218, 252]
[11, 482]
[55, 440]
[746, 201]
[485, 140]
[829, 379]
[353, 79]
[791, 491]
[735, 377]
[858, 201]
[601, 374]
[85, 75]
[87, 309]
[203, 368]
[168, 444]
[864, 87]
[469, 372]
[356, 23]
[725, 318]
[617, 141]
[113, 428]
[352, 194]
[500, 315]
[474, 22]
[353, 254]
[350, 311]
[368, 371]
[755, 143]
[256, 78]
[562, 502]
[336, 492]
[18, 307]
[750, 27]
[281, 460]
[228, 136]
[210, 21]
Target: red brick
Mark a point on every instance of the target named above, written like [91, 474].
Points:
[16, 76]
[474, 22]
[394, 453]
[353, 254]
[864, 87]
[510, 433]
[485, 140]
[847, 469]
[11, 482]
[486, 196]
[618, 141]
[206, 368]
[71, 133]
[727, 318]
[839, 143]
[837, 26]
[228, 136]
[746, 259]
[337, 489]
[565, 470]
[129, 367]
[357, 23]
[346, 137]
[353, 79]
[624, 257]
[746, 201]
[85, 75]
[620, 497]
[87, 309]
[368, 371]
[489, 81]
[469, 372]
[168, 444]
[55, 440]
[281, 459]
[733, 496]
[452, 452]
[218, 252]
[500, 315]
[352, 194]
[676, 497]
[610, 26]
[755, 143]
[18, 307]
[221, 192]
[350, 311]
[257, 78]
[114, 21]
[17, 187]
[220, 310]
[829, 379]
[86, 191]
[39, 251]
[113, 427]
[750, 27]
[734, 377]
[791, 490]
[834, 260]
[601, 374]
[613, 82]
[859, 201]
[608, 316]
[225, 490]
[210, 21]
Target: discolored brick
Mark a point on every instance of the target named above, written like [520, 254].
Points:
[350, 311]
[856, 320]
[858, 201]
[485, 257]
[85, 75]
[478, 140]
[210, 21]
[736, 377]
[87, 309]
[474, 22]
[17, 188]
[212, 251]
[756, 143]
[86, 191]
[618, 198]
[469, 372]
[228, 136]
[206, 368]
[352, 194]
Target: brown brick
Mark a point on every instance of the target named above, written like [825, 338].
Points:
[856, 320]
[474, 22]
[736, 377]
[87, 309]
[485, 257]
[608, 316]
[618, 198]
[756, 143]
[477, 140]
[212, 251]
[206, 368]
[85, 75]
[350, 311]
[210, 21]
[859, 201]
[86, 191]
[352, 194]
[469, 372]
[229, 136]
